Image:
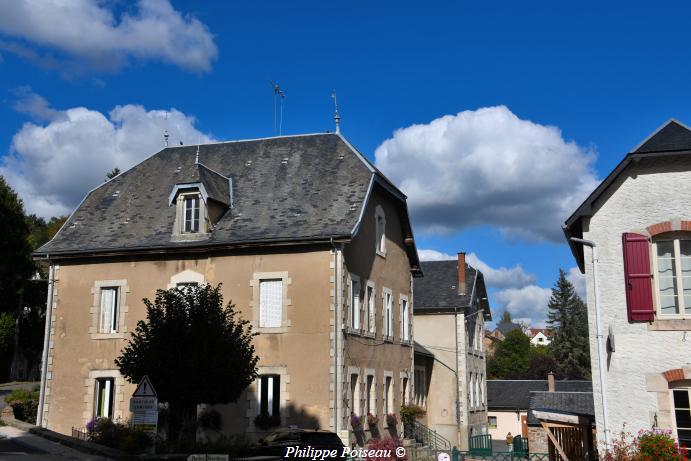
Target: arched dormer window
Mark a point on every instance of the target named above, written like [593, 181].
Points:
[380, 225]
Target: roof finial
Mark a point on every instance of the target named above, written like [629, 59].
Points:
[337, 117]
[196, 160]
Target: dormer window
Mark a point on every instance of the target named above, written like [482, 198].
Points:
[191, 207]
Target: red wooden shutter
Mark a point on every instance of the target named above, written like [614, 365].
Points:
[639, 287]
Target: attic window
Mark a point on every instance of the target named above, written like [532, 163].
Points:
[380, 228]
[191, 207]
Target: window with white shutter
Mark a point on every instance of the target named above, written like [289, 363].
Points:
[105, 393]
[108, 319]
[354, 302]
[270, 303]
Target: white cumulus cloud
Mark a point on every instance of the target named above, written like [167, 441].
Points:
[91, 33]
[501, 277]
[528, 302]
[54, 161]
[488, 167]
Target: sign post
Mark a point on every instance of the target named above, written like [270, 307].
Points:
[144, 408]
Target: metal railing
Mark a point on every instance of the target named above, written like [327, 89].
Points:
[426, 436]
[80, 433]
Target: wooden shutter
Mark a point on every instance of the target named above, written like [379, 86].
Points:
[638, 278]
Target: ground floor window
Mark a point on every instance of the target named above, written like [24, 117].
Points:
[105, 396]
[682, 414]
[354, 394]
[269, 395]
[370, 399]
[420, 384]
[404, 391]
[388, 395]
[492, 422]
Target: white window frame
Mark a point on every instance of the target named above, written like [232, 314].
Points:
[674, 407]
[180, 214]
[354, 302]
[370, 393]
[120, 313]
[380, 231]
[255, 303]
[404, 318]
[387, 313]
[109, 323]
[354, 391]
[388, 394]
[371, 308]
[678, 275]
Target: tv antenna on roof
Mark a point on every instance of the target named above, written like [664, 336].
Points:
[337, 117]
[279, 98]
[165, 132]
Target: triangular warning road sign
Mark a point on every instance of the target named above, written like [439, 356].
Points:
[145, 389]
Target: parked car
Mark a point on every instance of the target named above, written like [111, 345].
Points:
[298, 443]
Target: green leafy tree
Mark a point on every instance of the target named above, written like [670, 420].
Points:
[194, 350]
[568, 318]
[15, 265]
[511, 359]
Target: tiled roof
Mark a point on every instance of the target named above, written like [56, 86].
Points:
[515, 394]
[507, 327]
[672, 136]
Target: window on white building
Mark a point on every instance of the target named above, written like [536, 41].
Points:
[682, 413]
[672, 259]
[270, 303]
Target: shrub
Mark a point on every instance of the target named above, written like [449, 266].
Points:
[389, 444]
[372, 420]
[391, 419]
[264, 421]
[658, 445]
[410, 413]
[118, 435]
[24, 403]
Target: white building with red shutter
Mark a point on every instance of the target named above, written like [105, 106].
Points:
[639, 219]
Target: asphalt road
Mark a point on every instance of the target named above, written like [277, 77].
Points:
[13, 451]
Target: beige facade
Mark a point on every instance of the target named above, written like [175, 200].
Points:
[443, 334]
[501, 423]
[314, 351]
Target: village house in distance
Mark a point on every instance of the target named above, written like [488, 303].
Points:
[637, 262]
[311, 243]
[451, 309]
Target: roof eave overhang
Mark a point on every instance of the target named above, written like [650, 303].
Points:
[573, 225]
[199, 248]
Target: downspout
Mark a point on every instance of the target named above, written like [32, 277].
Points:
[337, 311]
[46, 344]
[599, 338]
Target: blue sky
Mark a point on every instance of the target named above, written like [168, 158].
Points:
[603, 75]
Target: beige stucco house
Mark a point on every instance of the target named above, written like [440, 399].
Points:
[451, 309]
[311, 243]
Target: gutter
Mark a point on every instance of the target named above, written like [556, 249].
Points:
[599, 338]
[46, 344]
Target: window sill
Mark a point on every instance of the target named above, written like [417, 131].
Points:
[271, 330]
[190, 237]
[388, 339]
[670, 324]
[382, 254]
[370, 334]
[99, 336]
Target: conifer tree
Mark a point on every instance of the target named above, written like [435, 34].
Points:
[568, 319]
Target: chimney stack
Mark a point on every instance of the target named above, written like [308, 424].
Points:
[550, 382]
[461, 273]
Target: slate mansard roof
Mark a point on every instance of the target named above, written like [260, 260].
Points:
[514, 394]
[437, 291]
[290, 189]
[672, 138]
